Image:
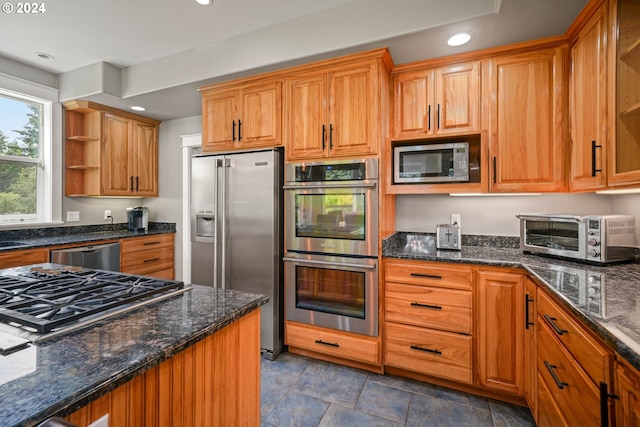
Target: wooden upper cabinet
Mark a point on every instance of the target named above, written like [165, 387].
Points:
[588, 105]
[500, 331]
[109, 152]
[247, 116]
[624, 158]
[437, 101]
[527, 121]
[336, 110]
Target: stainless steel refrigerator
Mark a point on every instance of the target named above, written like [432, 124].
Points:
[237, 231]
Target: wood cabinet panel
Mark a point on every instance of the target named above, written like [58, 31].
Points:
[445, 309]
[527, 121]
[306, 116]
[428, 274]
[500, 331]
[215, 382]
[588, 105]
[218, 114]
[628, 392]
[23, 257]
[149, 256]
[145, 159]
[116, 154]
[431, 352]
[549, 413]
[333, 343]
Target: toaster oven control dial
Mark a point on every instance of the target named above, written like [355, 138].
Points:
[594, 253]
[593, 242]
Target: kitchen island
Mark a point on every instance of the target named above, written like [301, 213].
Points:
[192, 359]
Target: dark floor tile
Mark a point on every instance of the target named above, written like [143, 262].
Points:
[506, 415]
[338, 415]
[462, 398]
[273, 387]
[404, 384]
[385, 402]
[297, 409]
[426, 411]
[287, 363]
[332, 383]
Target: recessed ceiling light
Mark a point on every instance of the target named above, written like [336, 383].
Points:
[459, 39]
[138, 108]
[204, 2]
[43, 55]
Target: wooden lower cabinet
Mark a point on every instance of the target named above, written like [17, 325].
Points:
[23, 257]
[628, 391]
[303, 339]
[500, 343]
[549, 413]
[148, 256]
[530, 346]
[215, 382]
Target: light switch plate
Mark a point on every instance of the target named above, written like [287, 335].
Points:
[73, 216]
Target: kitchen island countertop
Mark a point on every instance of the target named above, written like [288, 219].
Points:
[617, 319]
[60, 375]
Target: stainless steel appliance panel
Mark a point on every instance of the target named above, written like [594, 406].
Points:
[236, 223]
[101, 257]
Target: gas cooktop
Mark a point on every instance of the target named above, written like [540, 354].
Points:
[45, 298]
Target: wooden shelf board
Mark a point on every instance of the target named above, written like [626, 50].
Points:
[82, 138]
[631, 110]
[82, 167]
[630, 49]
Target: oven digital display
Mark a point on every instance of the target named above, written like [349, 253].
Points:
[332, 172]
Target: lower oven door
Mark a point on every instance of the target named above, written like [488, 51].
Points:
[334, 292]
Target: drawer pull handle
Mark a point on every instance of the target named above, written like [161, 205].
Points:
[152, 260]
[428, 350]
[151, 243]
[527, 321]
[432, 307]
[604, 403]
[428, 276]
[552, 322]
[561, 385]
[332, 344]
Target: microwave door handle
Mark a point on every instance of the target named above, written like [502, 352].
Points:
[329, 263]
[317, 186]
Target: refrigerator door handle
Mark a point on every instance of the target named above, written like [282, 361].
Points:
[216, 233]
[224, 164]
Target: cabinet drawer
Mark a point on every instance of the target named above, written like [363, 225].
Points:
[423, 273]
[549, 414]
[592, 356]
[334, 343]
[144, 262]
[148, 242]
[570, 387]
[439, 308]
[24, 257]
[431, 352]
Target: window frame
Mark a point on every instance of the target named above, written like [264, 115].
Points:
[49, 199]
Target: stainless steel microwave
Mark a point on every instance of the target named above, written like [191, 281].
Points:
[598, 239]
[429, 163]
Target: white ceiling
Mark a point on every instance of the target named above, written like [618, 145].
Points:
[157, 52]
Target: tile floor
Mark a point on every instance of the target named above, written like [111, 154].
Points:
[298, 391]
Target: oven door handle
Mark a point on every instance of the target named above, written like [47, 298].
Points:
[334, 264]
[316, 186]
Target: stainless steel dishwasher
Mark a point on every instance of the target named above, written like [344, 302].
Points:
[101, 257]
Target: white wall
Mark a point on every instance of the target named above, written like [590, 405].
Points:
[167, 207]
[495, 215]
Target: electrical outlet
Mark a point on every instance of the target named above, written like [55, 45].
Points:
[73, 216]
[107, 214]
[455, 219]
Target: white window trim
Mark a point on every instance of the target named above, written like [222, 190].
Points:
[52, 131]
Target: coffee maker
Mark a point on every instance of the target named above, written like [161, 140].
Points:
[137, 218]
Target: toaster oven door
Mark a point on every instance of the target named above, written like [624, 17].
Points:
[560, 236]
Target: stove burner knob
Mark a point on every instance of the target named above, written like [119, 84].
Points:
[593, 242]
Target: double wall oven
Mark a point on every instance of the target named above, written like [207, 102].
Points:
[331, 242]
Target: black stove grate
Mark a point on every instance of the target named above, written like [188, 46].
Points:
[45, 300]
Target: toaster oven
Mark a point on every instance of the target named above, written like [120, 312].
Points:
[597, 239]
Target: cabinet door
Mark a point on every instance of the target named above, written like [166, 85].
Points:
[261, 116]
[145, 159]
[530, 361]
[353, 107]
[117, 168]
[500, 331]
[219, 120]
[588, 105]
[412, 104]
[527, 121]
[24, 257]
[458, 98]
[628, 392]
[307, 126]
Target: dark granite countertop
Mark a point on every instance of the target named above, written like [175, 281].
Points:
[55, 236]
[615, 317]
[64, 373]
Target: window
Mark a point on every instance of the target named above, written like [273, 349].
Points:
[29, 194]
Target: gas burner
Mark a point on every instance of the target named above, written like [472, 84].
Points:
[49, 297]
